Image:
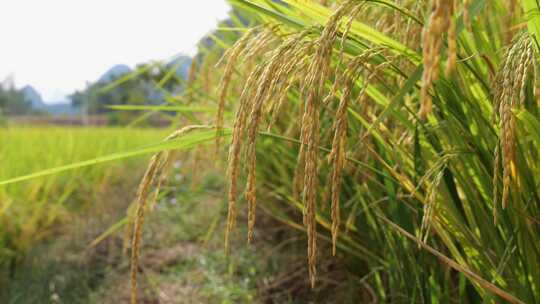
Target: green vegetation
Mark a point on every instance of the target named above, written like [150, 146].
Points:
[12, 101]
[183, 257]
[33, 211]
[183, 260]
[150, 83]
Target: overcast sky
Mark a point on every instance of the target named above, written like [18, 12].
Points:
[58, 45]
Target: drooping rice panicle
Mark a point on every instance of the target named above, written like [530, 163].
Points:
[235, 150]
[432, 40]
[142, 195]
[510, 93]
[430, 206]
[231, 57]
[157, 164]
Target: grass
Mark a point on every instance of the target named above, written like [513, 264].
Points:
[182, 258]
[182, 255]
[34, 210]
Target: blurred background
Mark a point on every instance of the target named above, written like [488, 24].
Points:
[57, 56]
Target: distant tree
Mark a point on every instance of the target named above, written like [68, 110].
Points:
[12, 101]
[139, 89]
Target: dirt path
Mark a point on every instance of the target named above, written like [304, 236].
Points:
[182, 259]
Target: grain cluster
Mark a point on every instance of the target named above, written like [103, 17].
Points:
[509, 94]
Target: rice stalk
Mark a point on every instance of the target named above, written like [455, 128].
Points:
[191, 80]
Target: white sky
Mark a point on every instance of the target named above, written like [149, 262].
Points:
[59, 45]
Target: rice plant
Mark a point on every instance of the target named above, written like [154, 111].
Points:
[390, 127]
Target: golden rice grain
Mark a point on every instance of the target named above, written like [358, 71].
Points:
[430, 206]
[306, 62]
[231, 57]
[235, 151]
[318, 72]
[452, 47]
[158, 163]
[509, 93]
[439, 22]
[142, 195]
[270, 82]
[466, 14]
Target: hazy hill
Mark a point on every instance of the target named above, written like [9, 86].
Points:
[32, 96]
[182, 64]
[114, 73]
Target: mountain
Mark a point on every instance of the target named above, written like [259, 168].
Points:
[182, 64]
[114, 73]
[31, 95]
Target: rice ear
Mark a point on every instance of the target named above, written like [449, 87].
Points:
[231, 57]
[235, 150]
[337, 156]
[307, 62]
[466, 14]
[430, 206]
[452, 48]
[142, 196]
[439, 21]
[157, 165]
[510, 93]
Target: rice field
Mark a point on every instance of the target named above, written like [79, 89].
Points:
[399, 138]
[32, 209]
